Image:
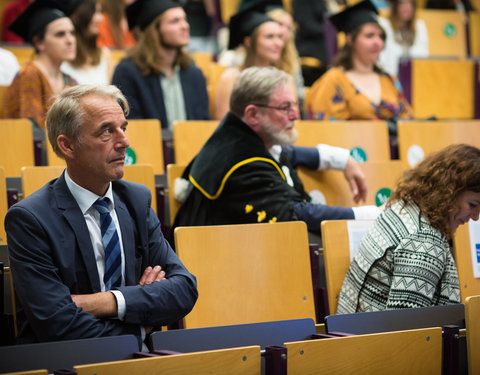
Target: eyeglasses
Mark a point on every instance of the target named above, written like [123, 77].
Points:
[287, 108]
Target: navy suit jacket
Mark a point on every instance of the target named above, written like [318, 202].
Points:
[51, 257]
[145, 95]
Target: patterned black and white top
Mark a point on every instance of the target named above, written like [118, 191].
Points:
[402, 262]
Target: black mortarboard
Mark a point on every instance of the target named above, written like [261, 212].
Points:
[352, 17]
[35, 18]
[69, 6]
[248, 18]
[142, 12]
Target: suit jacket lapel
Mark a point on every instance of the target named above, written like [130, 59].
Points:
[75, 219]
[128, 240]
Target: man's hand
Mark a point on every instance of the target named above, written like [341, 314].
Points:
[356, 180]
[101, 304]
[152, 274]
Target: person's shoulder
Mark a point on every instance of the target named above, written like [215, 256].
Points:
[37, 202]
[127, 65]
[420, 24]
[130, 189]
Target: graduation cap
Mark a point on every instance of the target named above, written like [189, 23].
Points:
[142, 12]
[69, 6]
[248, 18]
[352, 17]
[35, 18]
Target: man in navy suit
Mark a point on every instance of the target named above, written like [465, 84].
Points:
[56, 240]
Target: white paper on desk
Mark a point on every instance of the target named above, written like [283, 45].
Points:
[474, 230]
[356, 229]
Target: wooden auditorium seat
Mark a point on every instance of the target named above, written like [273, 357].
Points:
[221, 337]
[3, 90]
[396, 320]
[336, 255]
[202, 61]
[189, 137]
[381, 177]
[247, 273]
[142, 174]
[442, 88]
[33, 178]
[146, 147]
[236, 361]
[416, 139]
[469, 284]
[66, 354]
[472, 313]
[174, 171]
[402, 352]
[371, 137]
[16, 143]
[446, 32]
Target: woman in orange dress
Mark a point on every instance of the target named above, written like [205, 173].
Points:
[52, 34]
[355, 88]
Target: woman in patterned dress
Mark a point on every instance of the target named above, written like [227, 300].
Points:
[405, 260]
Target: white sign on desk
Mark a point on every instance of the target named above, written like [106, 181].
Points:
[474, 230]
[356, 230]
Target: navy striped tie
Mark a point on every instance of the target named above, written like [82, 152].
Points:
[111, 244]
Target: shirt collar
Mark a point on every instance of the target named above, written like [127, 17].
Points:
[85, 198]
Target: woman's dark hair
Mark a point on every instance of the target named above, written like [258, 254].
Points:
[87, 50]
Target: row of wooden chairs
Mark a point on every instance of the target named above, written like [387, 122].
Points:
[397, 341]
[416, 351]
[367, 140]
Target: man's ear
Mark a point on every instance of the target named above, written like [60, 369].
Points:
[66, 146]
[251, 116]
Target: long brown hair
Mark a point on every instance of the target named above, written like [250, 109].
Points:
[436, 183]
[87, 50]
[403, 35]
[146, 54]
[116, 12]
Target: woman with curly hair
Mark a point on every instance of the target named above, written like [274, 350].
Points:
[405, 260]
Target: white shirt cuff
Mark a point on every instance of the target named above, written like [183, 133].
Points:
[332, 157]
[366, 212]
[121, 304]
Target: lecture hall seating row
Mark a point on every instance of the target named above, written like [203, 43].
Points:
[395, 342]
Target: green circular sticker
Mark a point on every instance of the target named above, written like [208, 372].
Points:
[449, 30]
[130, 157]
[382, 196]
[358, 154]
